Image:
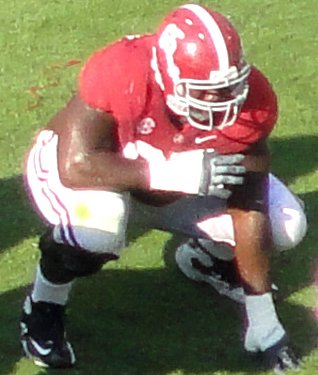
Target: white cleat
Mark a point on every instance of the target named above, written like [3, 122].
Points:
[200, 265]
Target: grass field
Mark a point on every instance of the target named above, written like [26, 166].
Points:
[139, 315]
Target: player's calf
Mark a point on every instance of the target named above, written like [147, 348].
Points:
[43, 336]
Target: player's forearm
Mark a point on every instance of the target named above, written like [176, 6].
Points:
[253, 248]
[111, 171]
[107, 171]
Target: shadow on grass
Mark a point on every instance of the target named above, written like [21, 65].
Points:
[294, 157]
[10, 352]
[295, 269]
[151, 322]
[155, 321]
[17, 220]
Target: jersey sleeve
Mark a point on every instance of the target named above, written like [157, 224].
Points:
[96, 80]
[261, 110]
[114, 79]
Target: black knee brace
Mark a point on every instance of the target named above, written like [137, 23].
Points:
[62, 263]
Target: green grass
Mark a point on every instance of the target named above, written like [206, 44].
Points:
[139, 315]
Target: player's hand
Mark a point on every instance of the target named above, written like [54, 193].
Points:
[281, 358]
[200, 172]
[220, 172]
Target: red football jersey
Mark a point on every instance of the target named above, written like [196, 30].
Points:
[119, 79]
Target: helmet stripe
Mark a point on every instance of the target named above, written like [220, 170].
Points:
[214, 31]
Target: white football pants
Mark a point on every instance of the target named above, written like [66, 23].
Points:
[97, 220]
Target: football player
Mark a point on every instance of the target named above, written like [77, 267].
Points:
[169, 130]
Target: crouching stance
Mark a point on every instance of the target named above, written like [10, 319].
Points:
[179, 145]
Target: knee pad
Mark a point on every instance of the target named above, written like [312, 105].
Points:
[287, 217]
[289, 226]
[62, 263]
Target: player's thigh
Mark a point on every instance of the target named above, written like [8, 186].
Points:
[181, 216]
[286, 217]
[97, 222]
[94, 220]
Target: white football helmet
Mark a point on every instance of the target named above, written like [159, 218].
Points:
[199, 64]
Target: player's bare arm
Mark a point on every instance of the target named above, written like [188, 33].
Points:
[88, 156]
[251, 227]
[258, 158]
[87, 151]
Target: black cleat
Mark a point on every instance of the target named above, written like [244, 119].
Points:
[281, 358]
[42, 335]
